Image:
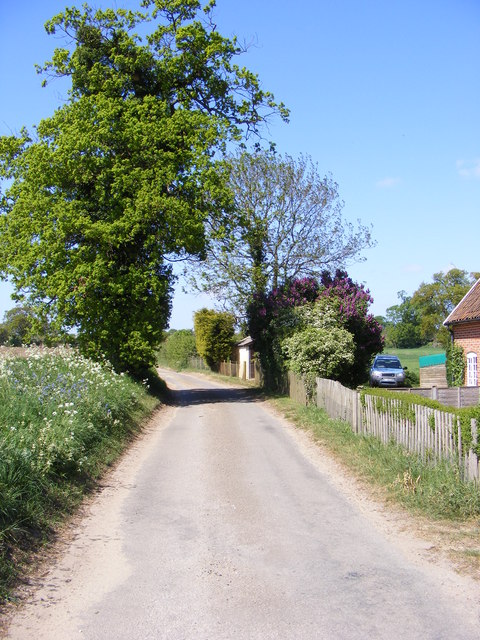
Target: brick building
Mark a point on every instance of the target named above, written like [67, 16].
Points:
[464, 324]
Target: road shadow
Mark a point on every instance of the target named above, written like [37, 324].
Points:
[190, 397]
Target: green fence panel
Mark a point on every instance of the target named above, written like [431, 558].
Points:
[432, 361]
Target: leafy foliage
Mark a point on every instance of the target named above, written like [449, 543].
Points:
[403, 324]
[455, 365]
[337, 303]
[287, 225]
[177, 348]
[21, 326]
[270, 320]
[319, 352]
[63, 418]
[353, 315]
[214, 335]
[122, 177]
[434, 301]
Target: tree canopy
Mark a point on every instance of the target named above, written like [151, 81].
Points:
[286, 224]
[121, 179]
[402, 324]
[21, 326]
[433, 301]
[214, 335]
[177, 348]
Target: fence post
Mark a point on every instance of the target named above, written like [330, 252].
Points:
[459, 431]
[473, 469]
[473, 425]
[355, 411]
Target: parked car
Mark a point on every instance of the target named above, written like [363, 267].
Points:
[387, 371]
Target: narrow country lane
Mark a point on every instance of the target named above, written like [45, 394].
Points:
[218, 526]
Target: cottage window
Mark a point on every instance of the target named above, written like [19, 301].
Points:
[471, 369]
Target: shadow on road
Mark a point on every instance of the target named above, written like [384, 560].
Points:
[189, 397]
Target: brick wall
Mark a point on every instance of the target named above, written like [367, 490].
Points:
[467, 335]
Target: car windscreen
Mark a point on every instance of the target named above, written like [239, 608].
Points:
[388, 364]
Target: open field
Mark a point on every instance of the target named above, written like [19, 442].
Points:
[409, 357]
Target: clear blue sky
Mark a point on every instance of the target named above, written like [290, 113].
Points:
[384, 95]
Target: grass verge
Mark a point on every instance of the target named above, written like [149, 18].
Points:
[438, 505]
[433, 491]
[63, 420]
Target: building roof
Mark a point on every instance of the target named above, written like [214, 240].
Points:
[468, 309]
[245, 342]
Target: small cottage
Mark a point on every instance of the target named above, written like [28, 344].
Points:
[464, 325]
[245, 357]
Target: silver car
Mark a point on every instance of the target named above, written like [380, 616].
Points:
[386, 371]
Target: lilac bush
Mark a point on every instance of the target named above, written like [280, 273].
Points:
[273, 319]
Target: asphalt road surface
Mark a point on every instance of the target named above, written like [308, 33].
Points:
[218, 526]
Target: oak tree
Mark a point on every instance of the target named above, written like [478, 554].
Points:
[121, 179]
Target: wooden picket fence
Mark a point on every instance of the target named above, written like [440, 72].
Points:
[432, 434]
[230, 368]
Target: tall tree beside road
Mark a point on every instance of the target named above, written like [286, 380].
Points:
[287, 224]
[214, 335]
[121, 178]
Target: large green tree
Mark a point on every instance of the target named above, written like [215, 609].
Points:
[214, 335]
[433, 301]
[177, 348]
[121, 178]
[20, 326]
[402, 324]
[288, 224]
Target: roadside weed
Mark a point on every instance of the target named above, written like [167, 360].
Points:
[63, 418]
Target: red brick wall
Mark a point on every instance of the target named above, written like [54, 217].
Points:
[468, 337]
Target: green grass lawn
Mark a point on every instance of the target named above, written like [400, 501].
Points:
[409, 357]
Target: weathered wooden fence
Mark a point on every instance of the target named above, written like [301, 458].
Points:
[432, 434]
[296, 389]
[230, 368]
[449, 396]
[196, 362]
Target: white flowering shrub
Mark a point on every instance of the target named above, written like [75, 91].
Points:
[62, 417]
[319, 351]
[56, 404]
[321, 314]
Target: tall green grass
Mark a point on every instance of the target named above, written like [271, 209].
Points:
[63, 418]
